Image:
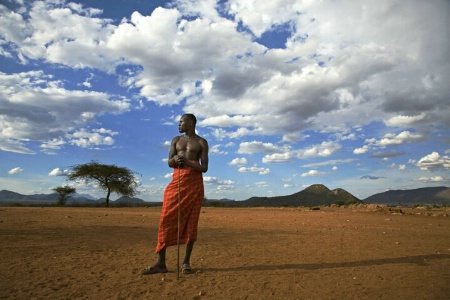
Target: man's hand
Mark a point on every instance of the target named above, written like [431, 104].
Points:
[181, 160]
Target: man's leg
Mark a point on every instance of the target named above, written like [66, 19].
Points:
[187, 258]
[162, 258]
[160, 266]
[186, 268]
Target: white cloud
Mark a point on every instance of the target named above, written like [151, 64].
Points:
[215, 149]
[220, 184]
[238, 161]
[399, 139]
[278, 157]
[390, 139]
[313, 173]
[258, 147]
[54, 144]
[339, 65]
[405, 121]
[254, 169]
[35, 109]
[276, 154]
[361, 150]
[321, 150]
[15, 171]
[433, 162]
[432, 179]
[58, 172]
[85, 139]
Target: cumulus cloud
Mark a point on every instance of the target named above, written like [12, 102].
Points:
[285, 153]
[389, 139]
[254, 169]
[313, 173]
[338, 60]
[401, 138]
[85, 139]
[361, 150]
[58, 172]
[35, 108]
[405, 121]
[220, 184]
[16, 170]
[216, 150]
[238, 161]
[258, 147]
[432, 179]
[433, 162]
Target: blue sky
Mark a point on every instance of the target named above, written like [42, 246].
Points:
[348, 94]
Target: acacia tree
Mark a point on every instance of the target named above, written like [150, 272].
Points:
[110, 178]
[63, 192]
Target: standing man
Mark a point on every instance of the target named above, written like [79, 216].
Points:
[188, 156]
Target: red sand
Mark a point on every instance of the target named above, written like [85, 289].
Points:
[254, 253]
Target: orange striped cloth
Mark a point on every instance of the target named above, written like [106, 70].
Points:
[191, 198]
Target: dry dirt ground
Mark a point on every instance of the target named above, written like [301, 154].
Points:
[241, 253]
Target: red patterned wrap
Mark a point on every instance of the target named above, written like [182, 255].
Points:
[191, 198]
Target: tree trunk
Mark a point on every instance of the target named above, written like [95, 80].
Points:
[107, 197]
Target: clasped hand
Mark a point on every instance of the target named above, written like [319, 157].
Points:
[180, 160]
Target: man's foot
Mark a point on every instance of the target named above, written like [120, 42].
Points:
[154, 270]
[186, 269]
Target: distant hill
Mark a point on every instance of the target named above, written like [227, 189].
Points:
[427, 196]
[82, 196]
[8, 197]
[314, 195]
[12, 198]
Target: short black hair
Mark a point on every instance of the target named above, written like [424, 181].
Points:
[191, 117]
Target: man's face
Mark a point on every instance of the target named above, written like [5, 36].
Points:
[183, 125]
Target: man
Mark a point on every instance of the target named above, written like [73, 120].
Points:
[188, 156]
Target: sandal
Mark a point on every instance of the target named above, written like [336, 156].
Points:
[154, 270]
[186, 269]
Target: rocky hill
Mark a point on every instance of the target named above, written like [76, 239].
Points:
[426, 196]
[314, 195]
[8, 197]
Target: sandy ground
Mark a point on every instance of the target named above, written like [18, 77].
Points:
[254, 253]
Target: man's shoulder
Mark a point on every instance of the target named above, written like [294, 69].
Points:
[202, 139]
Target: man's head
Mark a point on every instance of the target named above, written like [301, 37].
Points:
[190, 117]
[187, 123]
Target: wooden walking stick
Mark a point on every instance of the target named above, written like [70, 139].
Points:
[178, 229]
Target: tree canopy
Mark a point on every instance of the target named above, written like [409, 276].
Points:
[110, 178]
[63, 192]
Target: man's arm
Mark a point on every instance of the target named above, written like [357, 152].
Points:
[172, 162]
[204, 158]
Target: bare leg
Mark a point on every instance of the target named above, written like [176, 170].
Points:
[160, 266]
[187, 258]
[161, 258]
[186, 268]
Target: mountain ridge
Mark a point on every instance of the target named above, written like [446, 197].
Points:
[314, 195]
